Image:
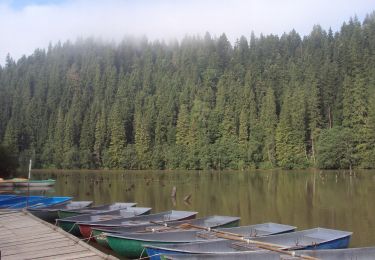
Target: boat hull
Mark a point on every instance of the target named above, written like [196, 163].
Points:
[363, 253]
[334, 244]
[100, 238]
[44, 202]
[131, 248]
[87, 229]
[7, 197]
[48, 216]
[67, 214]
[19, 200]
[70, 227]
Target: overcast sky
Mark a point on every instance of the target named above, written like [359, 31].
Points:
[29, 24]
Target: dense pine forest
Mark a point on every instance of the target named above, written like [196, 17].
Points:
[201, 103]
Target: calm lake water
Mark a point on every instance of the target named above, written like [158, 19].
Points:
[305, 199]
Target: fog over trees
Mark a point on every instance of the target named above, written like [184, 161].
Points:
[202, 103]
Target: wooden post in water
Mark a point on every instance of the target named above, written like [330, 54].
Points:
[30, 169]
[174, 191]
[28, 185]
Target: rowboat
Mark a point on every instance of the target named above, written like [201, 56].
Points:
[19, 199]
[6, 197]
[33, 183]
[208, 222]
[5, 183]
[365, 253]
[71, 224]
[32, 188]
[66, 213]
[317, 238]
[85, 227]
[49, 213]
[122, 222]
[43, 202]
[133, 245]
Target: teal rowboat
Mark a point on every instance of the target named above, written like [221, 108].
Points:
[208, 222]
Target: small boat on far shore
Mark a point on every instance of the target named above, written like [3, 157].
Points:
[33, 183]
[6, 183]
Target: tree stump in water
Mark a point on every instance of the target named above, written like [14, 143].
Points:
[174, 191]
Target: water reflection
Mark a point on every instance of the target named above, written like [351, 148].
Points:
[304, 199]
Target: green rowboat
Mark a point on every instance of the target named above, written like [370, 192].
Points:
[211, 222]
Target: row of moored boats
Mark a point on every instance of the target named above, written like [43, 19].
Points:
[133, 232]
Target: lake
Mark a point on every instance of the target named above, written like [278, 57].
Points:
[305, 199]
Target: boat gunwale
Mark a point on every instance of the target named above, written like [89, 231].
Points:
[101, 207]
[193, 213]
[93, 215]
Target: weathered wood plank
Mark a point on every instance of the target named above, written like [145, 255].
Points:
[27, 239]
[23, 236]
[54, 241]
[83, 255]
[44, 253]
[35, 247]
[31, 250]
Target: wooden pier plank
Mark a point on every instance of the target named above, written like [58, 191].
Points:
[23, 236]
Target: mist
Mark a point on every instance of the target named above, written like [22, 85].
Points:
[35, 24]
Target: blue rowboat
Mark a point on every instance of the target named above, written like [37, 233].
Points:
[43, 202]
[364, 253]
[19, 199]
[317, 238]
[133, 245]
[50, 213]
[6, 197]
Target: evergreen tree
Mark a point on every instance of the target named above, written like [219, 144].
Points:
[268, 121]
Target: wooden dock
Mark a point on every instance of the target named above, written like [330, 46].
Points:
[24, 236]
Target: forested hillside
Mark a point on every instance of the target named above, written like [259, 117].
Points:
[202, 103]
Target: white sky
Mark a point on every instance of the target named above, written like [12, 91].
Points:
[26, 25]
